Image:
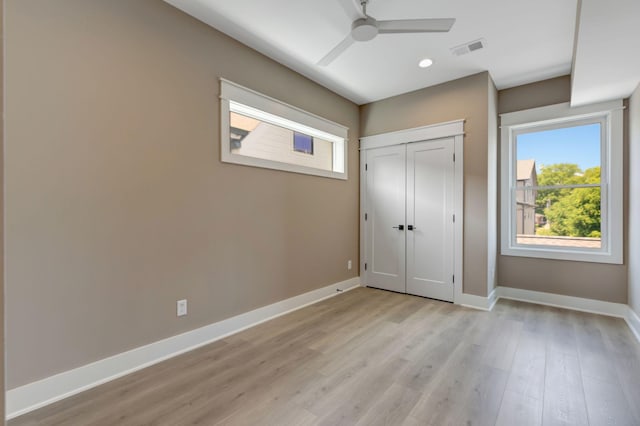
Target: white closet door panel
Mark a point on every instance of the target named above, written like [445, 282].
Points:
[430, 180]
[385, 198]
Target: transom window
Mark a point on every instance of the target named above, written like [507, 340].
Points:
[263, 132]
[562, 183]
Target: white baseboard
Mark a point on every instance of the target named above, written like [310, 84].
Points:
[568, 302]
[34, 395]
[633, 321]
[477, 302]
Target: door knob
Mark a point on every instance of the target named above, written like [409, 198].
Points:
[400, 227]
[411, 228]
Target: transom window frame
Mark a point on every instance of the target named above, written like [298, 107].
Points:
[610, 117]
[239, 99]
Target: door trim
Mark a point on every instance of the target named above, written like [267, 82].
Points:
[448, 129]
[415, 134]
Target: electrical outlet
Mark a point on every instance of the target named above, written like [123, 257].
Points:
[181, 307]
[349, 265]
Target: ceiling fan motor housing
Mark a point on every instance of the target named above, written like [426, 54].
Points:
[364, 29]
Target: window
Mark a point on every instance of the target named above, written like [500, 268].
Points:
[561, 189]
[302, 143]
[263, 132]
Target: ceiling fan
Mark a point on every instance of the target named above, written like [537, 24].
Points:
[367, 28]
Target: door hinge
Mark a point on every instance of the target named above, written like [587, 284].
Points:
[366, 167]
[454, 218]
[453, 278]
[454, 157]
[365, 266]
[365, 216]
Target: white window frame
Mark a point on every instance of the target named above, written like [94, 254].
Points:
[239, 99]
[610, 115]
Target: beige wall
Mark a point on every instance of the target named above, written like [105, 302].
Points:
[466, 98]
[2, 345]
[118, 204]
[634, 201]
[580, 279]
[492, 186]
[548, 92]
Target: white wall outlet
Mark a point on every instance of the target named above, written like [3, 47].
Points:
[181, 307]
[349, 265]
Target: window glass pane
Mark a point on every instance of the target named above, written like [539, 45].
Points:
[254, 138]
[568, 217]
[565, 156]
[302, 143]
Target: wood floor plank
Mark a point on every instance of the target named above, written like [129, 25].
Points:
[433, 355]
[317, 391]
[522, 402]
[371, 357]
[595, 359]
[273, 415]
[518, 409]
[362, 320]
[374, 342]
[511, 310]
[213, 400]
[224, 387]
[392, 408]
[470, 393]
[537, 318]
[618, 336]
[350, 403]
[564, 402]
[527, 371]
[560, 331]
[481, 404]
[445, 393]
[134, 389]
[412, 421]
[624, 352]
[607, 404]
[501, 348]
[408, 309]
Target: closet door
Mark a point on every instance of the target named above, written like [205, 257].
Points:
[385, 224]
[430, 207]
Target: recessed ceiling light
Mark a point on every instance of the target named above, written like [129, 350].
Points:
[425, 63]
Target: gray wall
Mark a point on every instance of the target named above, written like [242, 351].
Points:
[598, 281]
[117, 202]
[634, 201]
[466, 98]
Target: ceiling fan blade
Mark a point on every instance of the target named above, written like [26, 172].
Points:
[440, 25]
[336, 51]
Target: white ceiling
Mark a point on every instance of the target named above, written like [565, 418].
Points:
[526, 41]
[607, 57]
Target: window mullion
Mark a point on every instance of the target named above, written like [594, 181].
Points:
[542, 188]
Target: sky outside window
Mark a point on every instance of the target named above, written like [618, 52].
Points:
[573, 145]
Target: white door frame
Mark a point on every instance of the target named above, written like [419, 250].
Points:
[449, 129]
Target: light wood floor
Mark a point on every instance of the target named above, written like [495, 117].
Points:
[371, 357]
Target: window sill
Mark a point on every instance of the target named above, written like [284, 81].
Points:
[584, 255]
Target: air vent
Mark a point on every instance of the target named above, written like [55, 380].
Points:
[469, 47]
